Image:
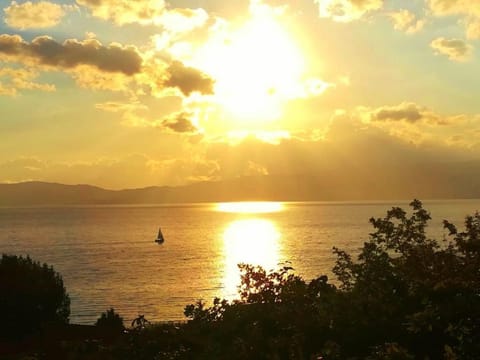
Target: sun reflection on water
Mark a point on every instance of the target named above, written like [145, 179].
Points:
[250, 207]
[251, 241]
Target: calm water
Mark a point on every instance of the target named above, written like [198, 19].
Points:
[108, 258]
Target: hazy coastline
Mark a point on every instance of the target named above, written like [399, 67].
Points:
[254, 188]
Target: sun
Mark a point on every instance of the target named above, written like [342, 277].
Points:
[257, 68]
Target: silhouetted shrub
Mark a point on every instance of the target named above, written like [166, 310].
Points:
[405, 296]
[31, 295]
[110, 321]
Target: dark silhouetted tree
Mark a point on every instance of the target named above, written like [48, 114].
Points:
[31, 295]
[110, 321]
[404, 296]
[417, 292]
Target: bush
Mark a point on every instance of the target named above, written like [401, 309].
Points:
[110, 321]
[31, 295]
[405, 296]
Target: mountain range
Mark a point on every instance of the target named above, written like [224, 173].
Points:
[435, 182]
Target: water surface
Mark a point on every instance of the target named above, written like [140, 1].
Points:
[108, 258]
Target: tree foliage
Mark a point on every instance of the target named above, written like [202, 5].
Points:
[110, 321]
[31, 295]
[405, 296]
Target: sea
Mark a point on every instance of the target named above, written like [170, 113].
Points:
[108, 257]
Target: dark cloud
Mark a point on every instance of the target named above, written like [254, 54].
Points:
[408, 112]
[43, 50]
[188, 79]
[180, 122]
[455, 49]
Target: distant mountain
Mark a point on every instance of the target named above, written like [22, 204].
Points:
[423, 182]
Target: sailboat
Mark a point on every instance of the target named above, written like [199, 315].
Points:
[159, 239]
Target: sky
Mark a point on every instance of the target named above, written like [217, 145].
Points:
[127, 94]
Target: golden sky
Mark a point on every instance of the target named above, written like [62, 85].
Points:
[121, 93]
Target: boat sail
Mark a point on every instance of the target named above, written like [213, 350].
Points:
[159, 239]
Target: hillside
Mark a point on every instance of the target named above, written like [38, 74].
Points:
[437, 182]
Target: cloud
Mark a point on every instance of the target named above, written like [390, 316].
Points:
[188, 79]
[126, 11]
[38, 15]
[469, 139]
[182, 20]
[277, 7]
[412, 123]
[473, 29]
[348, 148]
[470, 9]
[113, 67]
[347, 10]
[161, 76]
[90, 78]
[454, 7]
[407, 112]
[180, 122]
[113, 106]
[133, 113]
[14, 79]
[45, 51]
[136, 114]
[454, 49]
[349, 145]
[388, 149]
[406, 21]
[147, 12]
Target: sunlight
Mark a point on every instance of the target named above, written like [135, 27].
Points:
[250, 207]
[256, 68]
[270, 137]
[251, 241]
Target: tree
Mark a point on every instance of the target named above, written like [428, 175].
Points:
[31, 295]
[278, 315]
[404, 296]
[409, 289]
[110, 321]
